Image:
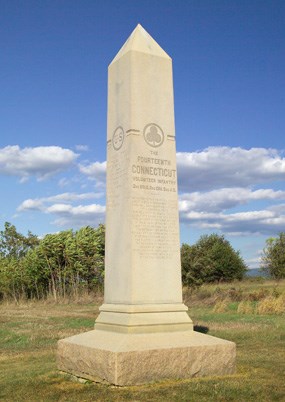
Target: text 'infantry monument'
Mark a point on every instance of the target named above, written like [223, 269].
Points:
[143, 332]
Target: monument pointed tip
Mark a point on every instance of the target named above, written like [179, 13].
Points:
[141, 41]
[139, 26]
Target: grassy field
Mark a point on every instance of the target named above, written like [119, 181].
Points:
[249, 313]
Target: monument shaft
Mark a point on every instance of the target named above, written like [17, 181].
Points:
[142, 264]
[142, 230]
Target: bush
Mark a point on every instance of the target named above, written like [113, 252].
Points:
[211, 259]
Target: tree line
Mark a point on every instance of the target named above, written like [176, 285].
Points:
[59, 264]
[70, 262]
[213, 259]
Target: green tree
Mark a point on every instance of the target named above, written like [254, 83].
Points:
[13, 244]
[37, 277]
[59, 264]
[211, 259]
[91, 252]
[194, 263]
[12, 280]
[64, 263]
[49, 265]
[13, 247]
[273, 259]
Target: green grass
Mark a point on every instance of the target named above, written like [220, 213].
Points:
[29, 332]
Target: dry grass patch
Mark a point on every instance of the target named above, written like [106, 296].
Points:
[271, 305]
[248, 290]
[245, 298]
[221, 306]
[245, 307]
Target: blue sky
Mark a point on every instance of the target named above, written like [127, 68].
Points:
[229, 85]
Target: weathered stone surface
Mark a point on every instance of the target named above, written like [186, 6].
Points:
[128, 359]
[142, 262]
[142, 228]
[144, 318]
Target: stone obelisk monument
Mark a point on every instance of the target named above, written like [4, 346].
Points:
[143, 332]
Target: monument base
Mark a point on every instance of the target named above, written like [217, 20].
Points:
[132, 358]
[135, 318]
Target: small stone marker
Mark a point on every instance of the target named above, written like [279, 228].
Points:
[143, 332]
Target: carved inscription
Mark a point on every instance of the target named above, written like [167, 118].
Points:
[144, 188]
[117, 177]
[155, 227]
[153, 173]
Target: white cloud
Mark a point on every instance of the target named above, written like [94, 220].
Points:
[95, 171]
[240, 223]
[39, 204]
[30, 205]
[220, 167]
[41, 162]
[81, 148]
[63, 182]
[223, 178]
[81, 215]
[278, 209]
[66, 214]
[225, 198]
[253, 262]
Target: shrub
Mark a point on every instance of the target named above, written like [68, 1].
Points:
[211, 259]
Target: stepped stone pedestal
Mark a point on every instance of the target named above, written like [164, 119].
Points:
[143, 332]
